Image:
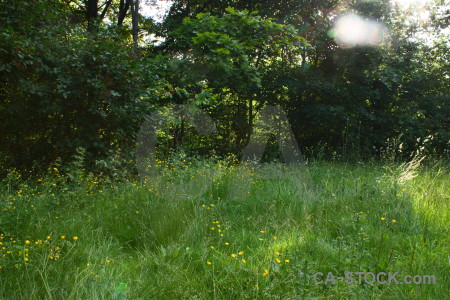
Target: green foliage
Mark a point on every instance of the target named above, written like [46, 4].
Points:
[69, 83]
[230, 56]
[228, 51]
[76, 85]
[64, 88]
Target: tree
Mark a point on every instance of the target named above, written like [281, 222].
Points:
[230, 56]
[63, 87]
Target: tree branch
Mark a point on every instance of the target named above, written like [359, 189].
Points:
[108, 3]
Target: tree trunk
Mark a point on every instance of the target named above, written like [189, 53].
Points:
[135, 22]
[92, 12]
[123, 9]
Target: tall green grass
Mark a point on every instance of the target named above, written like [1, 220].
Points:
[148, 239]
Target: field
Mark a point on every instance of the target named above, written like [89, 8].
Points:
[234, 233]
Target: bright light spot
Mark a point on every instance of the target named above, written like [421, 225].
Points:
[416, 10]
[155, 9]
[351, 30]
[410, 3]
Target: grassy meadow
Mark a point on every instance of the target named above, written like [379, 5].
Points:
[232, 233]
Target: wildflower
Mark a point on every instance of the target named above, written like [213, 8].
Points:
[75, 238]
[241, 253]
[277, 253]
[243, 260]
[266, 272]
[49, 237]
[209, 263]
[227, 244]
[261, 239]
[277, 260]
[233, 255]
[394, 221]
[27, 242]
[26, 259]
[287, 261]
[262, 231]
[275, 238]
[63, 237]
[212, 247]
[382, 219]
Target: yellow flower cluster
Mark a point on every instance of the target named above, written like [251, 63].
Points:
[235, 255]
[11, 252]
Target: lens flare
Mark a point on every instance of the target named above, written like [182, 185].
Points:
[352, 30]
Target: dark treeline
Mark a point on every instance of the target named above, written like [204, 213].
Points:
[84, 74]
